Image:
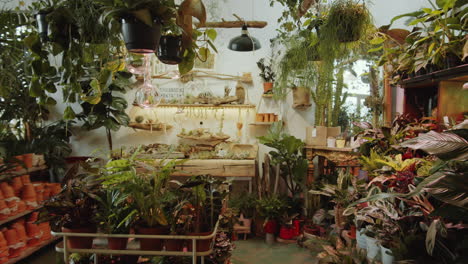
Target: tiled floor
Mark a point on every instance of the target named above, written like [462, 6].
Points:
[252, 251]
[256, 251]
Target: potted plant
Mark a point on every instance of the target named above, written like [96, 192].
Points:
[270, 208]
[245, 204]
[170, 50]
[115, 216]
[267, 74]
[73, 210]
[347, 21]
[206, 197]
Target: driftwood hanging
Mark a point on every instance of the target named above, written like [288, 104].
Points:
[245, 78]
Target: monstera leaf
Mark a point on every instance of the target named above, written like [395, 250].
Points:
[446, 145]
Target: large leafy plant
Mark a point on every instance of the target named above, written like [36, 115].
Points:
[115, 214]
[288, 155]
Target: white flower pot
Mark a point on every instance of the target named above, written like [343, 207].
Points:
[387, 257]
[331, 142]
[373, 249]
[361, 239]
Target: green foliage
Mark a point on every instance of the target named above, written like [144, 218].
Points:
[114, 215]
[271, 207]
[74, 207]
[245, 203]
[287, 154]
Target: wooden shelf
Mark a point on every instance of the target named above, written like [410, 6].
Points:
[12, 218]
[204, 105]
[8, 175]
[268, 95]
[459, 73]
[29, 251]
[261, 123]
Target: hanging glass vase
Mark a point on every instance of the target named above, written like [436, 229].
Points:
[147, 95]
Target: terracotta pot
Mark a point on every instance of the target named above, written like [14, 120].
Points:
[259, 118]
[7, 190]
[28, 160]
[3, 242]
[56, 188]
[151, 243]
[33, 217]
[117, 243]
[19, 162]
[21, 232]
[202, 245]
[174, 244]
[11, 237]
[25, 179]
[45, 228]
[13, 205]
[79, 242]
[1, 195]
[22, 206]
[28, 192]
[16, 184]
[267, 86]
[4, 210]
[272, 117]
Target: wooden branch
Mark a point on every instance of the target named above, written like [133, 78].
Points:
[233, 24]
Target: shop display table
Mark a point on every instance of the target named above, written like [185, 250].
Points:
[343, 157]
[242, 170]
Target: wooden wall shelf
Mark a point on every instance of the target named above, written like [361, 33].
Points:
[459, 73]
[204, 105]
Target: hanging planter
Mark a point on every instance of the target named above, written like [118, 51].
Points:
[139, 37]
[301, 98]
[170, 49]
[347, 21]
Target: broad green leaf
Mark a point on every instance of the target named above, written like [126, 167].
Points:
[35, 87]
[377, 41]
[211, 33]
[69, 114]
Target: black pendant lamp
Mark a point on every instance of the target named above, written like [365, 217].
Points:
[244, 42]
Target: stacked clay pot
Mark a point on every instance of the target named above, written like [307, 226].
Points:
[13, 242]
[4, 250]
[39, 188]
[10, 198]
[28, 195]
[21, 234]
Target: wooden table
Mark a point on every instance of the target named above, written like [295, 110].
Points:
[341, 156]
[242, 170]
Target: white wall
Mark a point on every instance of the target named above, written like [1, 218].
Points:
[229, 62]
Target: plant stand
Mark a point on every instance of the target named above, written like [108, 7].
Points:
[100, 247]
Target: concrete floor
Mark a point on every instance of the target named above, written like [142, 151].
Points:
[257, 251]
[252, 251]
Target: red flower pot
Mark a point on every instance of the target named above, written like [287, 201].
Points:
[117, 243]
[151, 243]
[286, 232]
[202, 245]
[271, 227]
[25, 179]
[79, 242]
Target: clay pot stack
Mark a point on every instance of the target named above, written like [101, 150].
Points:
[14, 244]
[28, 195]
[4, 250]
[9, 198]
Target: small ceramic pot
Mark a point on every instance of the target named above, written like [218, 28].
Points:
[331, 142]
[258, 118]
[373, 249]
[361, 239]
[387, 256]
[272, 117]
[117, 243]
[267, 86]
[340, 143]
